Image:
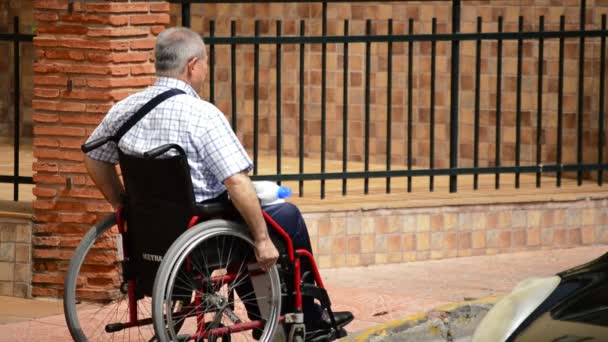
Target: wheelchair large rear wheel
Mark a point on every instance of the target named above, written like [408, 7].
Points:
[96, 300]
[212, 268]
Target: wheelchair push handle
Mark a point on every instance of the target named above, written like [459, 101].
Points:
[90, 146]
[162, 149]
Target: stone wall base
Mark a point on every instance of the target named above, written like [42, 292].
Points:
[15, 256]
[360, 238]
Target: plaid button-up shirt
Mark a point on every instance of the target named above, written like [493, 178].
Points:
[214, 152]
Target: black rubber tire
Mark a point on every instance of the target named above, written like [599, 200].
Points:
[79, 313]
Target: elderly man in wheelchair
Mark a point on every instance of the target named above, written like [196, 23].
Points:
[194, 256]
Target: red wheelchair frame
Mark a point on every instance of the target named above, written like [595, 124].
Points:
[293, 257]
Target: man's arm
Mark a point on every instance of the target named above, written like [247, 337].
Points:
[106, 178]
[245, 199]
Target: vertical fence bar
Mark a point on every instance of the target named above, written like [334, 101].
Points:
[539, 101]
[581, 92]
[455, 86]
[477, 100]
[498, 104]
[560, 99]
[233, 76]
[410, 86]
[520, 44]
[432, 104]
[323, 98]
[278, 88]
[600, 133]
[256, 104]
[345, 111]
[17, 104]
[211, 63]
[301, 117]
[389, 100]
[186, 13]
[368, 45]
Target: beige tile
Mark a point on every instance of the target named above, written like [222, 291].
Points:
[8, 233]
[450, 221]
[408, 224]
[479, 221]
[381, 243]
[534, 218]
[6, 288]
[478, 239]
[338, 260]
[21, 290]
[7, 270]
[437, 222]
[588, 235]
[22, 273]
[435, 255]
[437, 241]
[394, 257]
[23, 233]
[338, 245]
[380, 224]
[533, 236]
[353, 260]
[381, 258]
[7, 251]
[589, 217]
[504, 219]
[338, 226]
[394, 243]
[408, 256]
[423, 222]
[353, 244]
[367, 244]
[325, 245]
[423, 241]
[353, 224]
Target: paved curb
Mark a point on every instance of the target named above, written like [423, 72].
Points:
[386, 330]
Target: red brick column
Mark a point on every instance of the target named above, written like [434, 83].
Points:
[89, 55]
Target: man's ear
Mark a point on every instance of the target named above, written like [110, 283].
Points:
[190, 64]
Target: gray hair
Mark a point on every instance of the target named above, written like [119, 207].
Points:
[174, 47]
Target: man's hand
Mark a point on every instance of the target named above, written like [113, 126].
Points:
[244, 198]
[266, 254]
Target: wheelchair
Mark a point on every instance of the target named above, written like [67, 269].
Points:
[165, 268]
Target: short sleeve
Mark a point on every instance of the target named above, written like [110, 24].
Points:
[222, 152]
[108, 152]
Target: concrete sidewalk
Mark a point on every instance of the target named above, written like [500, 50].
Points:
[377, 295]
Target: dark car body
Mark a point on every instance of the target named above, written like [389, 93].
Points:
[575, 309]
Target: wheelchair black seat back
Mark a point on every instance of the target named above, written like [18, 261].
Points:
[158, 207]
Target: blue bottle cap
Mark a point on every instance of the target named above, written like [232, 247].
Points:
[283, 192]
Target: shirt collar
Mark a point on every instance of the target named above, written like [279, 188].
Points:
[170, 82]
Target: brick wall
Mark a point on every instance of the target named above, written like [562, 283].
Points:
[422, 14]
[360, 238]
[105, 51]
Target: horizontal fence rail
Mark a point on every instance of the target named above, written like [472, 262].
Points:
[540, 37]
[17, 39]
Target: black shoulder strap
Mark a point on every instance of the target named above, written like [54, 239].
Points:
[145, 109]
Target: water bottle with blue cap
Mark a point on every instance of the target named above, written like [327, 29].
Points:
[271, 193]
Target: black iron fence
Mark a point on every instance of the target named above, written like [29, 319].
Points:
[16, 38]
[540, 37]
[408, 170]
